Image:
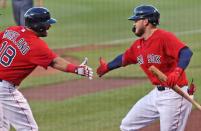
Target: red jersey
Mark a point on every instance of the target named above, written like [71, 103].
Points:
[21, 51]
[161, 49]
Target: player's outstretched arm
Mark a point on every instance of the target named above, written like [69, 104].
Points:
[105, 67]
[65, 66]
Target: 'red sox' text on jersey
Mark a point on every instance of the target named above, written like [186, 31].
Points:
[158, 51]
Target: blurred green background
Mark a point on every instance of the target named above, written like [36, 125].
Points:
[104, 22]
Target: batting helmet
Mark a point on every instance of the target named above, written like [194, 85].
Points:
[38, 19]
[146, 12]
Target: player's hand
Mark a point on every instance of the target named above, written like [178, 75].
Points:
[103, 67]
[191, 88]
[85, 70]
[173, 77]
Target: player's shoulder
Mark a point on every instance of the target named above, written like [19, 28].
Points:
[165, 33]
[137, 41]
[40, 44]
[13, 28]
[135, 44]
[9, 28]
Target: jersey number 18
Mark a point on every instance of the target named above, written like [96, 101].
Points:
[7, 54]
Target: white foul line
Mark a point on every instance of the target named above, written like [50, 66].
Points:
[132, 39]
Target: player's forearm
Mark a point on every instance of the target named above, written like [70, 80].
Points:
[60, 64]
[116, 63]
[65, 66]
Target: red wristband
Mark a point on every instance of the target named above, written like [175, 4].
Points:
[71, 68]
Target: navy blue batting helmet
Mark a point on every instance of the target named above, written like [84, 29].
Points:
[38, 18]
[146, 12]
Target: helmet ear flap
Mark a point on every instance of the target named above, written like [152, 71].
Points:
[153, 20]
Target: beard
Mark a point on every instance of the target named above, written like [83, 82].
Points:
[138, 32]
[42, 34]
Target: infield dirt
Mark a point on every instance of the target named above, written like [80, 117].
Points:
[80, 87]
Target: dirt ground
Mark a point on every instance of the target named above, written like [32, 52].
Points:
[83, 86]
[76, 88]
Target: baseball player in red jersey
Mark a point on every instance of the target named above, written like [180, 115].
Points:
[21, 51]
[166, 52]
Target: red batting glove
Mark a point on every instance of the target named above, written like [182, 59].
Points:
[103, 68]
[173, 77]
[192, 88]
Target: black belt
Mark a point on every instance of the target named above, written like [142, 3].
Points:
[160, 88]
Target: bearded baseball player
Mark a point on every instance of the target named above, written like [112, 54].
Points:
[21, 51]
[165, 51]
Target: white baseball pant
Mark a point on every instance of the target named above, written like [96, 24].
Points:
[172, 109]
[14, 109]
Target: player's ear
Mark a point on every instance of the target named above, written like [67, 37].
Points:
[146, 22]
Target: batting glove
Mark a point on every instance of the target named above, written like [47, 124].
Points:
[103, 67]
[81, 69]
[84, 70]
[173, 77]
[192, 88]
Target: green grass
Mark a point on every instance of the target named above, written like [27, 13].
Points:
[98, 21]
[83, 22]
[35, 81]
[93, 56]
[93, 112]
